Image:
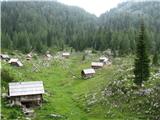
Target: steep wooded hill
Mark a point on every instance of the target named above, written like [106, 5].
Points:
[43, 25]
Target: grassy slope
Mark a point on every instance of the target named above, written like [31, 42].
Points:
[66, 92]
[65, 88]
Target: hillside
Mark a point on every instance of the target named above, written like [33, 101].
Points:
[40, 25]
[124, 20]
[52, 25]
[110, 94]
[128, 14]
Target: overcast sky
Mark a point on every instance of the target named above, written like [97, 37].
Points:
[96, 7]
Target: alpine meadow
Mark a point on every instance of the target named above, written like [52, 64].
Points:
[60, 62]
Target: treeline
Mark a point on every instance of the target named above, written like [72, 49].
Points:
[40, 25]
[124, 22]
[43, 25]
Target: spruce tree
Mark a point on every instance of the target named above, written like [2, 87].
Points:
[142, 61]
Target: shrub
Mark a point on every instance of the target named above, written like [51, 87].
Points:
[5, 77]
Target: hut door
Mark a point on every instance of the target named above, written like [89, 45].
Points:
[27, 104]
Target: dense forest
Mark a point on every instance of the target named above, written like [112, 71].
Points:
[43, 25]
[124, 21]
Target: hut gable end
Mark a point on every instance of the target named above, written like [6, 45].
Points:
[87, 73]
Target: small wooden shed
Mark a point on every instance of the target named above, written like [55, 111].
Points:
[29, 57]
[66, 54]
[87, 73]
[48, 56]
[96, 65]
[103, 60]
[15, 62]
[26, 94]
[5, 57]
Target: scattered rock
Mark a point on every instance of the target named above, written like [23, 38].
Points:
[91, 102]
[143, 92]
[4, 95]
[27, 118]
[88, 109]
[55, 116]
[28, 112]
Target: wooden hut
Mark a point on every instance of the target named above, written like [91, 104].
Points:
[15, 62]
[29, 57]
[48, 56]
[87, 73]
[5, 57]
[26, 94]
[66, 54]
[96, 65]
[103, 60]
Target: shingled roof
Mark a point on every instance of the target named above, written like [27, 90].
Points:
[66, 54]
[99, 64]
[103, 58]
[4, 56]
[48, 55]
[15, 60]
[26, 88]
[89, 71]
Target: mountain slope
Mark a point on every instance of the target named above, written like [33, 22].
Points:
[130, 13]
[43, 24]
[124, 21]
[50, 25]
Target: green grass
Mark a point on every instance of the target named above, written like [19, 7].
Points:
[67, 91]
